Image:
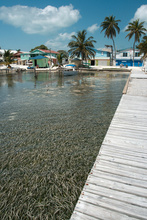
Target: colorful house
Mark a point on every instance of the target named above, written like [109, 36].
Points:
[24, 57]
[40, 61]
[125, 57]
[50, 57]
[50, 54]
[102, 58]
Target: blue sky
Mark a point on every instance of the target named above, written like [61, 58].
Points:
[25, 24]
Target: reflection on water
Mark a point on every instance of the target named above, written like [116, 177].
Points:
[52, 128]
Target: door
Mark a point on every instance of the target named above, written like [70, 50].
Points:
[35, 62]
[92, 62]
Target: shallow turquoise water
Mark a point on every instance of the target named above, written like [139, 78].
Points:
[51, 130]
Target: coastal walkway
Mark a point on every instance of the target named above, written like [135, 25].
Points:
[116, 187]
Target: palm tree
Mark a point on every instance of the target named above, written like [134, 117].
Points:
[110, 26]
[135, 29]
[62, 54]
[80, 46]
[143, 47]
[8, 57]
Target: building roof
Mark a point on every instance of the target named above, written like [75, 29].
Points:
[17, 54]
[48, 51]
[103, 50]
[106, 49]
[126, 49]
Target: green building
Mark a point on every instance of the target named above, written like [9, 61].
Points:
[41, 58]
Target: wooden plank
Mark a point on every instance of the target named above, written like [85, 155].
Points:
[114, 194]
[118, 170]
[122, 144]
[116, 150]
[120, 123]
[100, 212]
[134, 144]
[131, 98]
[80, 216]
[127, 162]
[128, 133]
[122, 187]
[118, 178]
[131, 116]
[119, 166]
[115, 205]
[138, 112]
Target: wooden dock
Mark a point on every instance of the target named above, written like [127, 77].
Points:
[116, 187]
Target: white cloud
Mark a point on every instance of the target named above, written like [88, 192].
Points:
[34, 20]
[93, 28]
[141, 14]
[60, 42]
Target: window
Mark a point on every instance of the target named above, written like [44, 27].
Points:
[136, 54]
[125, 54]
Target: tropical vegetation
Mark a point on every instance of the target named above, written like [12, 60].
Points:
[143, 47]
[62, 55]
[136, 29]
[81, 46]
[111, 28]
[42, 46]
[8, 57]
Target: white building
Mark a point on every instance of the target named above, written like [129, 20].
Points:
[125, 57]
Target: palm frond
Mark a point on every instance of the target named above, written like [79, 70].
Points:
[81, 46]
[111, 28]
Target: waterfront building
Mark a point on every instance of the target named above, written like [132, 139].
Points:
[40, 58]
[102, 58]
[125, 57]
[40, 61]
[24, 58]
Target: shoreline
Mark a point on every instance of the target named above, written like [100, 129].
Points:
[80, 70]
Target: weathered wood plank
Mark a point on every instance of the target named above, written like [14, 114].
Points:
[100, 212]
[118, 178]
[128, 133]
[119, 166]
[115, 205]
[117, 195]
[128, 125]
[81, 216]
[136, 144]
[122, 187]
[124, 152]
[106, 168]
[124, 161]
[138, 149]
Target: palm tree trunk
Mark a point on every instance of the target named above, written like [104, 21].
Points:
[133, 52]
[114, 51]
